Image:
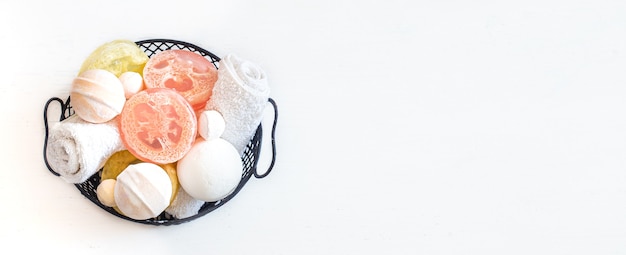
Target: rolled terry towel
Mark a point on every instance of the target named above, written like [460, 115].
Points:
[240, 94]
[78, 149]
[184, 205]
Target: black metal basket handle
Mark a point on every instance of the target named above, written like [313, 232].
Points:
[66, 111]
[271, 166]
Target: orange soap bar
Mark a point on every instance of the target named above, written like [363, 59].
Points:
[189, 73]
[158, 125]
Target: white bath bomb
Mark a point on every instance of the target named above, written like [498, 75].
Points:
[211, 124]
[211, 170]
[132, 82]
[105, 192]
[97, 95]
[143, 191]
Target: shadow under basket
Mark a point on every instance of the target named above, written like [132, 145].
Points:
[249, 158]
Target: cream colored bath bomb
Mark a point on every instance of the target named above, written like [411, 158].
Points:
[143, 191]
[105, 192]
[211, 170]
[97, 96]
[132, 82]
[211, 124]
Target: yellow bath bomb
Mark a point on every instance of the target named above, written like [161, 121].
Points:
[117, 57]
[170, 169]
[117, 163]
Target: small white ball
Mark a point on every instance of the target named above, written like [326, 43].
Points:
[211, 124]
[143, 191]
[211, 170]
[105, 192]
[132, 82]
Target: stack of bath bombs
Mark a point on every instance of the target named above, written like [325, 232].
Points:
[172, 144]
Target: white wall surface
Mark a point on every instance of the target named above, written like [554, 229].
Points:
[405, 127]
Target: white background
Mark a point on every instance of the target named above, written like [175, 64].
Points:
[405, 127]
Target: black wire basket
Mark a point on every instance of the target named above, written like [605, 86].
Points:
[250, 156]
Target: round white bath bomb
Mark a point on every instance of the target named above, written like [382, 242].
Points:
[211, 170]
[132, 82]
[143, 191]
[97, 95]
[105, 192]
[211, 124]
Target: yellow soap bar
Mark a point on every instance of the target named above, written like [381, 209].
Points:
[117, 57]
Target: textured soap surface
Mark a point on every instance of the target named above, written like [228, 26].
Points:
[117, 57]
[158, 125]
[189, 73]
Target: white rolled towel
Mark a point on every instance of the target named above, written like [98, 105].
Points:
[240, 94]
[184, 205]
[78, 149]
